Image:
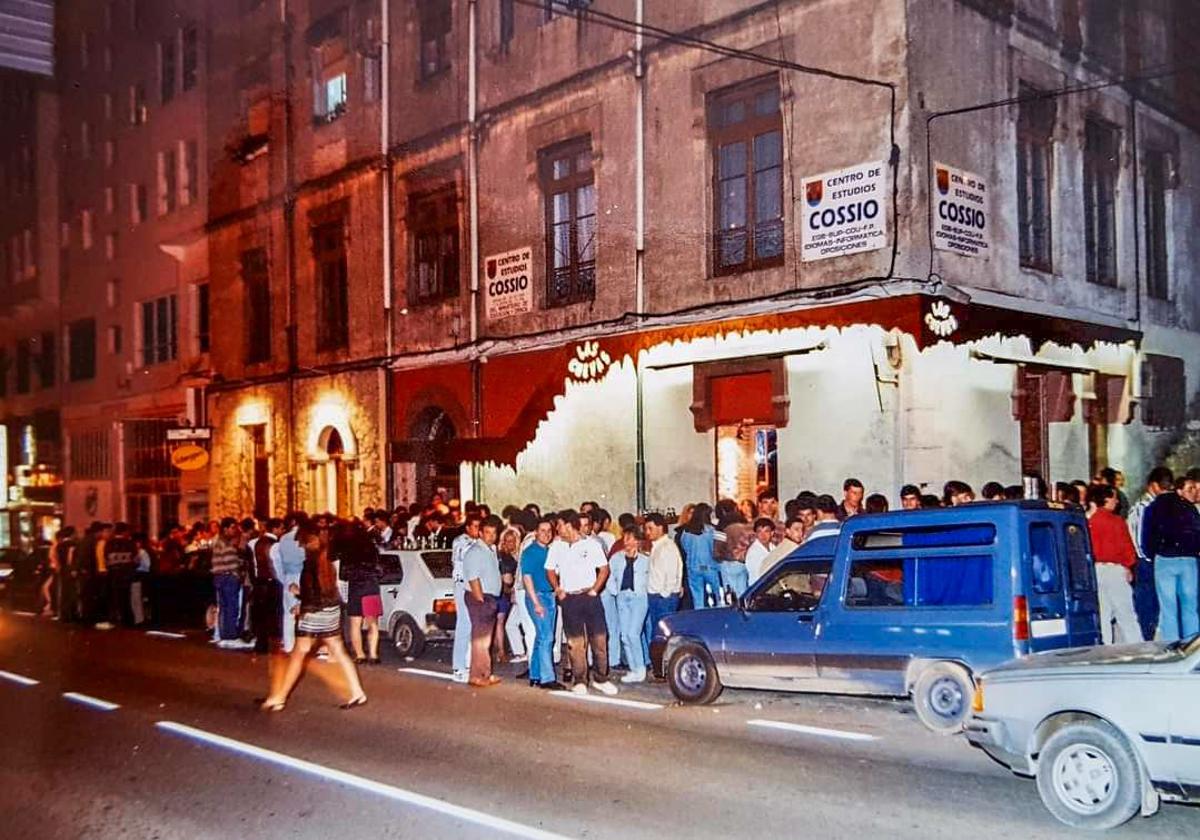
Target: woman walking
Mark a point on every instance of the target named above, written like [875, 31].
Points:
[360, 569]
[320, 619]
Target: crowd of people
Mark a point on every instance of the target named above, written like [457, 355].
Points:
[525, 580]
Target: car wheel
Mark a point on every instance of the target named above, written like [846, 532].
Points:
[942, 697]
[408, 638]
[692, 675]
[1088, 776]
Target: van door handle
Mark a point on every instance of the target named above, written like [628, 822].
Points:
[805, 618]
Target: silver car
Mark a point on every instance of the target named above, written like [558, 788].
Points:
[1106, 731]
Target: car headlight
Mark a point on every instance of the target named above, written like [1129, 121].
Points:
[5, 572]
[663, 630]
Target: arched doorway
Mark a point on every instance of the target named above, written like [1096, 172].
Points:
[331, 473]
[433, 430]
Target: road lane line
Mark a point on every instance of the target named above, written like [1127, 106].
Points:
[612, 701]
[25, 613]
[812, 730]
[17, 678]
[361, 783]
[441, 675]
[163, 634]
[87, 700]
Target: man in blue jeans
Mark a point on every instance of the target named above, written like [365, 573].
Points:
[1171, 535]
[539, 599]
[461, 652]
[227, 581]
[664, 581]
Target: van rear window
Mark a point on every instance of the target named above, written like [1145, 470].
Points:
[983, 533]
[944, 581]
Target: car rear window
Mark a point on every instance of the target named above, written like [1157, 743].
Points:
[439, 563]
[1043, 553]
[942, 581]
[1079, 560]
[928, 537]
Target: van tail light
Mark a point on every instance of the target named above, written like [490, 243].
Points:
[1020, 619]
[444, 606]
[977, 700]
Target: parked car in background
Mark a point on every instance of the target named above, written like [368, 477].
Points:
[21, 575]
[909, 603]
[1107, 731]
[417, 590]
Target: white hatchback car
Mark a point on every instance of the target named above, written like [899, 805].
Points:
[417, 590]
[1106, 731]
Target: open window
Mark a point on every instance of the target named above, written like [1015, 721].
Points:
[329, 63]
[795, 587]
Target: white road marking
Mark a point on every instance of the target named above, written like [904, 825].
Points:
[87, 700]
[25, 613]
[612, 701]
[17, 678]
[361, 783]
[163, 634]
[441, 675]
[812, 730]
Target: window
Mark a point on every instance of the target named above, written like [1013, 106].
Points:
[115, 339]
[795, 588]
[877, 583]
[746, 133]
[110, 246]
[107, 53]
[24, 365]
[1156, 170]
[112, 292]
[89, 455]
[47, 360]
[1043, 553]
[257, 280]
[569, 186]
[191, 56]
[328, 60]
[137, 104]
[84, 50]
[508, 24]
[108, 107]
[159, 335]
[166, 69]
[110, 153]
[1080, 565]
[81, 349]
[110, 200]
[167, 178]
[333, 311]
[85, 140]
[332, 95]
[203, 334]
[85, 228]
[433, 222]
[27, 242]
[435, 22]
[1100, 169]
[1163, 392]
[931, 537]
[135, 15]
[1035, 157]
[138, 204]
[933, 580]
[189, 173]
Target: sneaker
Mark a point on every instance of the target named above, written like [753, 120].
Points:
[227, 644]
[242, 644]
[517, 660]
[460, 676]
[579, 688]
[104, 625]
[634, 677]
[605, 687]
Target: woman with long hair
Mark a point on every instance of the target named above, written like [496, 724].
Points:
[697, 541]
[359, 567]
[733, 541]
[320, 620]
[508, 548]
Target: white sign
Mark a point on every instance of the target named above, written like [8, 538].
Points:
[845, 212]
[202, 433]
[960, 211]
[508, 284]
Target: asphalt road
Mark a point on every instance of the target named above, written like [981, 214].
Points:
[186, 755]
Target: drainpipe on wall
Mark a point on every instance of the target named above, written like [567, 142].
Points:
[385, 175]
[639, 76]
[473, 211]
[289, 229]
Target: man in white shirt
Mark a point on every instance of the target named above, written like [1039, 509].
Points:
[461, 656]
[665, 579]
[578, 569]
[760, 546]
[588, 528]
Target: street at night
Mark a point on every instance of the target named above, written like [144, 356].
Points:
[544, 763]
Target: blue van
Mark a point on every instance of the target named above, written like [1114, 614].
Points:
[910, 603]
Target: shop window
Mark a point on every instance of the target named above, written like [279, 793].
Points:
[1163, 392]
[1101, 167]
[333, 308]
[90, 455]
[435, 24]
[1035, 157]
[81, 350]
[433, 225]
[256, 281]
[568, 184]
[159, 333]
[745, 131]
[1156, 169]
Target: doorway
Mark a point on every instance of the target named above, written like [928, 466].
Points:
[747, 461]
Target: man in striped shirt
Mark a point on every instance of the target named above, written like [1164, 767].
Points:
[227, 581]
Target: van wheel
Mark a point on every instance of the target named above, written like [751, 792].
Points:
[942, 697]
[408, 638]
[1088, 776]
[692, 675]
